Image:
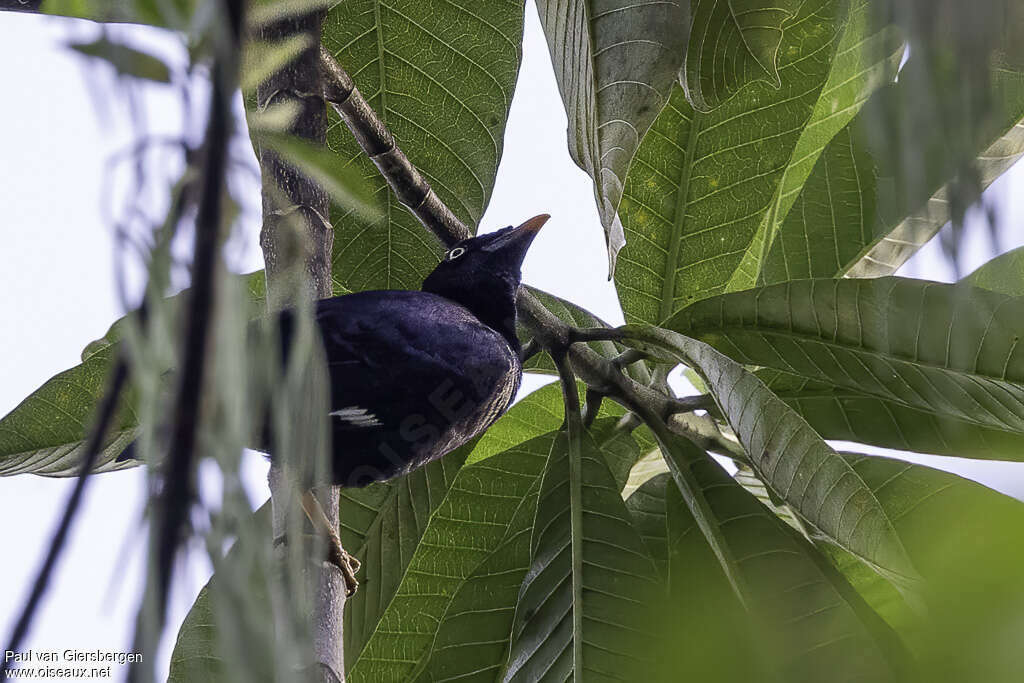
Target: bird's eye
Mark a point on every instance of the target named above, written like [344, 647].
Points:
[456, 253]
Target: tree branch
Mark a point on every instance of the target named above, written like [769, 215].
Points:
[283, 246]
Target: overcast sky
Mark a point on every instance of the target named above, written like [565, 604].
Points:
[61, 122]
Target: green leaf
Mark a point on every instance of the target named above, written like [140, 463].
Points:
[848, 415]
[440, 75]
[228, 633]
[950, 350]
[582, 608]
[867, 58]
[797, 465]
[261, 60]
[806, 617]
[828, 225]
[382, 525]
[733, 43]
[45, 434]
[347, 187]
[894, 192]
[938, 514]
[469, 539]
[615, 63]
[265, 12]
[646, 507]
[126, 60]
[701, 186]
[1004, 273]
[173, 14]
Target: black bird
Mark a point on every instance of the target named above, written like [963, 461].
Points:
[414, 375]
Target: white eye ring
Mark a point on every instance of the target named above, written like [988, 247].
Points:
[456, 253]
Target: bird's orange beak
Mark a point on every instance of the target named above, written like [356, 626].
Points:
[534, 224]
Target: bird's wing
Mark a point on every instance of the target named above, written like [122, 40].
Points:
[389, 351]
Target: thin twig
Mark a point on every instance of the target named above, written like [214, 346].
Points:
[93, 448]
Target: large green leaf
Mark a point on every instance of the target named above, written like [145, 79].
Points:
[733, 43]
[701, 185]
[383, 524]
[875, 197]
[582, 607]
[1005, 274]
[46, 433]
[937, 515]
[808, 620]
[228, 633]
[951, 350]
[798, 466]
[470, 539]
[849, 415]
[866, 59]
[440, 75]
[615, 63]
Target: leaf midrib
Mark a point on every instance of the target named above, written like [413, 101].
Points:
[808, 337]
[668, 283]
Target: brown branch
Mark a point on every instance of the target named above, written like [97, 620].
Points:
[379, 144]
[414, 192]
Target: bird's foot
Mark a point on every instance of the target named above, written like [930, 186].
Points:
[348, 564]
[336, 555]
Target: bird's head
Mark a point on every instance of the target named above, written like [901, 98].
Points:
[482, 273]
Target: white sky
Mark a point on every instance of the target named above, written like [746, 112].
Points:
[58, 126]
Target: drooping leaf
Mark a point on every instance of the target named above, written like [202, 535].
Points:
[173, 14]
[615, 63]
[581, 609]
[914, 163]
[733, 43]
[1005, 274]
[701, 185]
[787, 455]
[950, 350]
[228, 633]
[45, 434]
[127, 61]
[440, 75]
[848, 415]
[347, 187]
[808, 620]
[261, 60]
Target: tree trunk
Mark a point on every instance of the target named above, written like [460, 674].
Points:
[297, 233]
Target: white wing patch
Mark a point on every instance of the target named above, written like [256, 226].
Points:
[356, 416]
